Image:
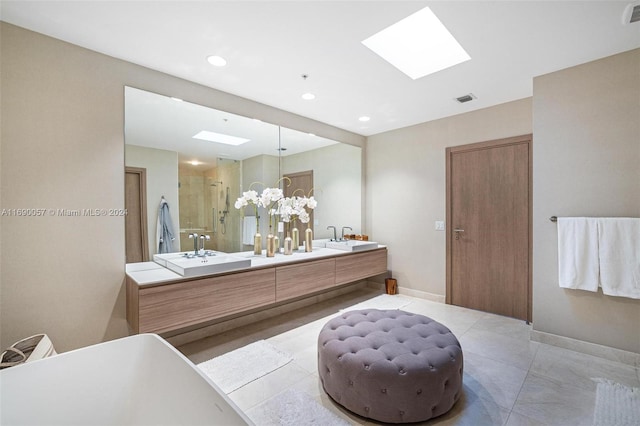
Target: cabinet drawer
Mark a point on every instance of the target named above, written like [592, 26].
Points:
[359, 266]
[300, 279]
[175, 306]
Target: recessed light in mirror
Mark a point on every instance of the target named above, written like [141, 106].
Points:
[195, 163]
[206, 135]
[308, 96]
[364, 118]
[176, 99]
[216, 61]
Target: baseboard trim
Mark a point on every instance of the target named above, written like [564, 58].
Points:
[409, 292]
[601, 351]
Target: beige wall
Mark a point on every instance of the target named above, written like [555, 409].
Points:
[405, 191]
[63, 147]
[337, 182]
[162, 177]
[586, 163]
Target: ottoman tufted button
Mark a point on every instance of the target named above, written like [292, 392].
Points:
[406, 356]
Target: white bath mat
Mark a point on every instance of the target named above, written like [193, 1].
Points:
[616, 404]
[383, 301]
[294, 408]
[235, 369]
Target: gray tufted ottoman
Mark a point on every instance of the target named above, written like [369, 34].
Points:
[391, 366]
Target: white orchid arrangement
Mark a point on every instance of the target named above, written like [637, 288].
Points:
[268, 200]
[249, 197]
[295, 208]
[275, 203]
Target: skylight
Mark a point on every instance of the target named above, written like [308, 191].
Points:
[206, 135]
[418, 45]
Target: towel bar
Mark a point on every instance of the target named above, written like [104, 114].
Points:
[553, 218]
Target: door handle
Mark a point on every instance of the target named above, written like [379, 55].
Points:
[457, 232]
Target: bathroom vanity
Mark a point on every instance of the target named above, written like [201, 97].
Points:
[159, 300]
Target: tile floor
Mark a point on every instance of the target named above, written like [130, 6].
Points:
[508, 379]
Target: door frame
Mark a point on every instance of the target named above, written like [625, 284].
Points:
[141, 174]
[449, 151]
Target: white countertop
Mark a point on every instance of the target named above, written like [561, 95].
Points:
[147, 273]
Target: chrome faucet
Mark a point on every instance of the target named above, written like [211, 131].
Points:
[195, 243]
[202, 240]
[335, 238]
[198, 247]
[343, 228]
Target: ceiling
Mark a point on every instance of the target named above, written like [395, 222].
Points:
[269, 45]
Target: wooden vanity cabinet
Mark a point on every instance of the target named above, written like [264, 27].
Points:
[359, 266]
[305, 278]
[171, 306]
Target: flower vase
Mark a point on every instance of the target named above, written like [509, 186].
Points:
[271, 246]
[288, 245]
[295, 238]
[257, 244]
[276, 243]
[308, 239]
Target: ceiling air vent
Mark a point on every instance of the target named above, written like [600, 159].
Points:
[631, 13]
[466, 98]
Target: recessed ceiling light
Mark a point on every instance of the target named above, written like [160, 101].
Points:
[418, 45]
[308, 96]
[364, 118]
[195, 163]
[216, 61]
[206, 135]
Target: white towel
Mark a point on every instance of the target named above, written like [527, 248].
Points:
[578, 266]
[619, 242]
[249, 229]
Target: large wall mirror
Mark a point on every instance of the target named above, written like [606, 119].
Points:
[201, 177]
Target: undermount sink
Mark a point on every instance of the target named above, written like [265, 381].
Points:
[352, 245]
[213, 263]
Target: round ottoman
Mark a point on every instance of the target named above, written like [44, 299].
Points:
[391, 366]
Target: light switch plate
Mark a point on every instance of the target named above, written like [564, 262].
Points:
[439, 225]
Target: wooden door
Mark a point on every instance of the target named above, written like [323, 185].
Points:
[489, 226]
[301, 184]
[135, 224]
